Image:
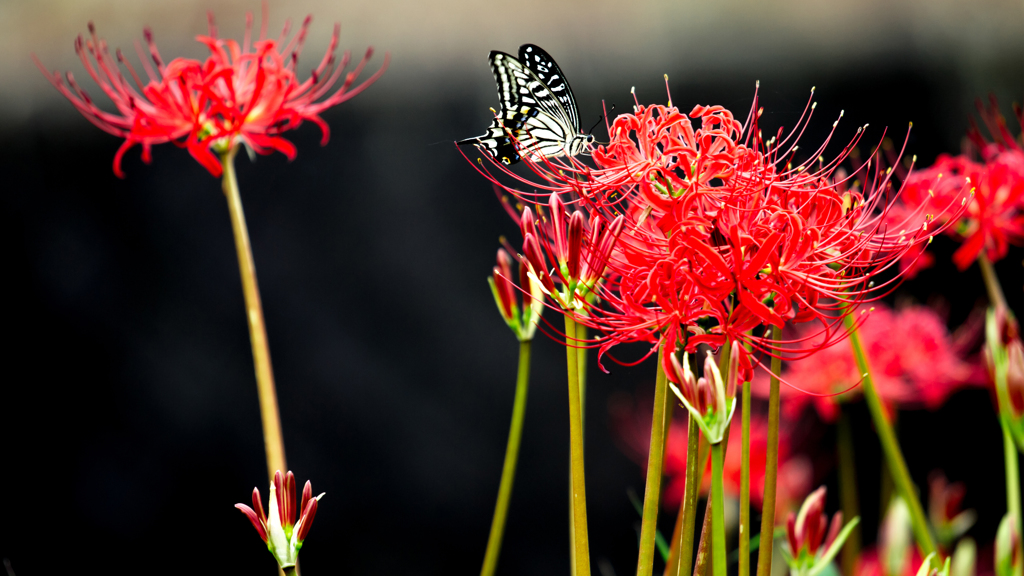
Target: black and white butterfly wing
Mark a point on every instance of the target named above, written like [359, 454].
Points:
[533, 117]
[547, 71]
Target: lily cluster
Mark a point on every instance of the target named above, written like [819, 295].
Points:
[694, 229]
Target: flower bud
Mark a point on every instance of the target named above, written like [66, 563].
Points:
[705, 398]
[813, 540]
[282, 534]
[521, 317]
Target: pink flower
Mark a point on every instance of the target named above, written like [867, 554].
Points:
[914, 362]
[246, 93]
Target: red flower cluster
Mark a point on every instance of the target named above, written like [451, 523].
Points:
[246, 93]
[994, 218]
[718, 232]
[915, 363]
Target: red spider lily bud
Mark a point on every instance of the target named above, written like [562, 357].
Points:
[527, 223]
[575, 242]
[522, 319]
[1008, 553]
[944, 509]
[1005, 355]
[504, 290]
[538, 264]
[601, 249]
[813, 540]
[558, 227]
[705, 398]
[280, 532]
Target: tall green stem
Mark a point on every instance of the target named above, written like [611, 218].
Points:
[581, 545]
[744, 528]
[771, 468]
[652, 492]
[891, 449]
[273, 441]
[848, 491]
[508, 473]
[992, 286]
[718, 513]
[681, 554]
[1013, 503]
[581, 362]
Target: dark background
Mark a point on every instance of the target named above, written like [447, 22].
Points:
[129, 418]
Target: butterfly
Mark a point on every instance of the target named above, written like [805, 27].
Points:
[538, 114]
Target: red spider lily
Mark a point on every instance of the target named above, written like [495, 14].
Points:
[723, 233]
[994, 219]
[246, 94]
[915, 361]
[632, 427]
[282, 534]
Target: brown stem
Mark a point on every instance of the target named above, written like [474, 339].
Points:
[273, 441]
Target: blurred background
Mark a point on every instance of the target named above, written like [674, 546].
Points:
[129, 418]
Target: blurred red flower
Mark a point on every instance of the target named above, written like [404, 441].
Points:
[246, 93]
[994, 217]
[915, 363]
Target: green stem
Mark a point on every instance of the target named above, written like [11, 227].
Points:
[291, 571]
[581, 362]
[718, 557]
[771, 468]
[891, 449]
[744, 528]
[508, 473]
[700, 564]
[579, 494]
[848, 491]
[1013, 504]
[655, 458]
[680, 563]
[273, 441]
[995, 290]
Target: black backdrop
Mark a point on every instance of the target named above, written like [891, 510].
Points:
[128, 414]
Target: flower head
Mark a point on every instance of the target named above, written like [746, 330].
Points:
[994, 216]
[724, 233]
[245, 93]
[944, 508]
[283, 535]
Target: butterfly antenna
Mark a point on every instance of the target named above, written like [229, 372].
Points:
[599, 118]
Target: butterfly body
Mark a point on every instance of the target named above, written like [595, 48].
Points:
[538, 116]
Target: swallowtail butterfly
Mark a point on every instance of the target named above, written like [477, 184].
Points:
[538, 116]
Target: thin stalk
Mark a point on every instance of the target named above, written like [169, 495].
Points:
[744, 528]
[995, 290]
[891, 449]
[508, 473]
[848, 491]
[681, 553]
[581, 335]
[655, 458]
[771, 468]
[706, 547]
[1013, 504]
[273, 441]
[718, 514]
[579, 494]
